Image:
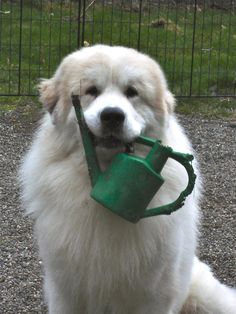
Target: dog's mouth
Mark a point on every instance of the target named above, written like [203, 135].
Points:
[113, 142]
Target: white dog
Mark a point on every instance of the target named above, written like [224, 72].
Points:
[95, 261]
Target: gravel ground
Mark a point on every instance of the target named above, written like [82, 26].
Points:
[20, 268]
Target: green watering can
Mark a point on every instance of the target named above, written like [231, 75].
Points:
[128, 185]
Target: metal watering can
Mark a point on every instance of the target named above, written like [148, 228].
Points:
[128, 185]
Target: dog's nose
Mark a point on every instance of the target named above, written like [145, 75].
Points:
[112, 117]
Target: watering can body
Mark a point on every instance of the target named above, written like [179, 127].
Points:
[128, 185]
[134, 186]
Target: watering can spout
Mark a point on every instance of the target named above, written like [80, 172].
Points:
[87, 138]
[158, 154]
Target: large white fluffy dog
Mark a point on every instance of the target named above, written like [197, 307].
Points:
[96, 262]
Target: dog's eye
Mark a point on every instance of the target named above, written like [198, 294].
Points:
[131, 92]
[93, 91]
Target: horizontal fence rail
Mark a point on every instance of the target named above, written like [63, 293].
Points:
[194, 41]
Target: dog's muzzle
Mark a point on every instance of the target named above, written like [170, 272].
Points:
[112, 121]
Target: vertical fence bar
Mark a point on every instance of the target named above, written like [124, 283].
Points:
[30, 47]
[102, 21]
[210, 50]
[112, 16]
[174, 48]
[1, 22]
[228, 54]
[166, 34]
[20, 47]
[93, 24]
[148, 29]
[139, 25]
[40, 39]
[157, 46]
[83, 23]
[78, 25]
[81, 30]
[219, 54]
[70, 28]
[182, 89]
[120, 22]
[193, 48]
[130, 21]
[60, 33]
[201, 53]
[10, 53]
[50, 39]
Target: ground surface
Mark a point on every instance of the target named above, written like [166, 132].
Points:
[20, 268]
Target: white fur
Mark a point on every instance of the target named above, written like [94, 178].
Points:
[95, 261]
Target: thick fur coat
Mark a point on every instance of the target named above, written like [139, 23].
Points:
[95, 261]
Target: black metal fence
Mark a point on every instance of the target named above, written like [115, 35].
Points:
[194, 41]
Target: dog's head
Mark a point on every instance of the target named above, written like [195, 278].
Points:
[123, 93]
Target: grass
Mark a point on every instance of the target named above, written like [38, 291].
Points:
[218, 108]
[49, 32]
[27, 107]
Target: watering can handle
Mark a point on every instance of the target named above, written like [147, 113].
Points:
[185, 160]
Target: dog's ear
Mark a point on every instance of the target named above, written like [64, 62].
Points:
[169, 100]
[48, 94]
[56, 104]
